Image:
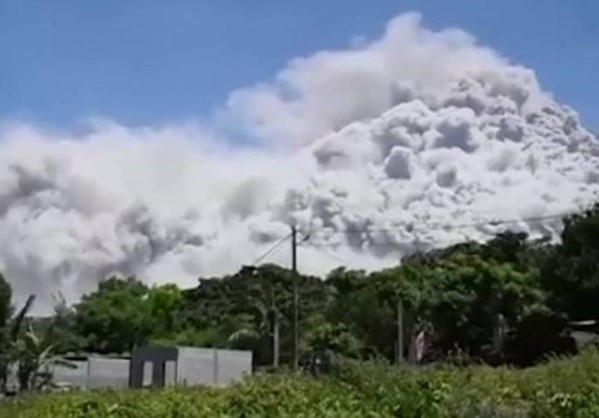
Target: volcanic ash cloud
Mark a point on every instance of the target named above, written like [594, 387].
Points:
[416, 140]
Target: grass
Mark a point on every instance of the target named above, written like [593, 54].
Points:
[560, 388]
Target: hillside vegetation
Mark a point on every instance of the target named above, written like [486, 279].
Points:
[461, 295]
[506, 302]
[562, 388]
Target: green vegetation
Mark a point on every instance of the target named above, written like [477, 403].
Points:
[562, 388]
[504, 302]
[461, 294]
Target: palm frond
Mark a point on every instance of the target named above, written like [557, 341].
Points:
[243, 333]
[20, 318]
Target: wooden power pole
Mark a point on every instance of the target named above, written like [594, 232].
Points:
[295, 297]
[400, 332]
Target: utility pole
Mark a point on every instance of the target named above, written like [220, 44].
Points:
[295, 297]
[399, 354]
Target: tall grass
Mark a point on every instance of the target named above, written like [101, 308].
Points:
[560, 388]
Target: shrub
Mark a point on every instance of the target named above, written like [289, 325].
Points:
[559, 388]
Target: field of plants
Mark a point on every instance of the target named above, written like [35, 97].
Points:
[560, 388]
[510, 301]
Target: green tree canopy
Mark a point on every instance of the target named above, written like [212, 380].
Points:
[463, 292]
[6, 309]
[115, 317]
[571, 272]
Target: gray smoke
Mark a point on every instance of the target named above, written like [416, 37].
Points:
[415, 140]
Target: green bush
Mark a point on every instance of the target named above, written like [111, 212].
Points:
[560, 388]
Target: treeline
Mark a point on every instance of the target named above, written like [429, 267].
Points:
[463, 295]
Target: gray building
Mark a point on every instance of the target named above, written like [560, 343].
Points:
[93, 372]
[151, 366]
[161, 366]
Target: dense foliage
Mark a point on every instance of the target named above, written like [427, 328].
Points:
[561, 388]
[505, 301]
[461, 294]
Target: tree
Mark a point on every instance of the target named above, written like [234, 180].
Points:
[5, 302]
[60, 328]
[471, 293]
[165, 305]
[33, 356]
[368, 304]
[5, 314]
[35, 359]
[571, 272]
[463, 292]
[540, 333]
[10, 335]
[116, 317]
[246, 306]
[265, 298]
[331, 339]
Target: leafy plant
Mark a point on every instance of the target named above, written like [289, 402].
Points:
[559, 388]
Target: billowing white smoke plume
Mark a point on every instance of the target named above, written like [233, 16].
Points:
[417, 139]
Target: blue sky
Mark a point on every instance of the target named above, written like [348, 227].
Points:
[158, 61]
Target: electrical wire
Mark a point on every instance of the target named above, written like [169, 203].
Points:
[348, 231]
[271, 250]
[330, 255]
[457, 226]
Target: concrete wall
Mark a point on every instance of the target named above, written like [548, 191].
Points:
[207, 366]
[66, 376]
[108, 373]
[75, 377]
[94, 373]
[189, 366]
[154, 361]
[170, 373]
[196, 366]
[232, 366]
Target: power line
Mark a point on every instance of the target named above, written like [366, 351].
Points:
[335, 257]
[295, 297]
[271, 250]
[330, 255]
[346, 231]
[456, 226]
[434, 227]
